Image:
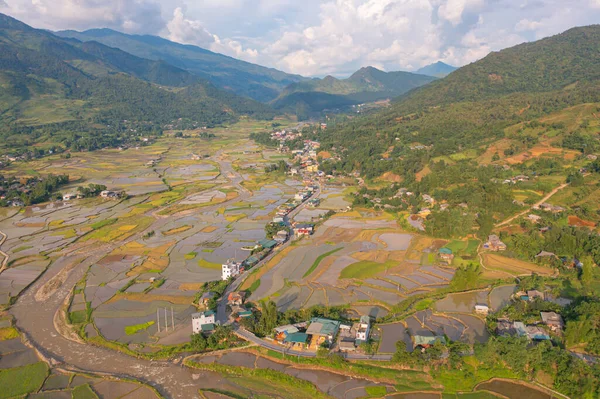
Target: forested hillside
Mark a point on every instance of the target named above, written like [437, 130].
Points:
[47, 80]
[366, 85]
[243, 78]
[472, 107]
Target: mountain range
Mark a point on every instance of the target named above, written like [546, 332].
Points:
[51, 79]
[243, 78]
[366, 85]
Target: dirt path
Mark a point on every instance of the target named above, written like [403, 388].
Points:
[540, 202]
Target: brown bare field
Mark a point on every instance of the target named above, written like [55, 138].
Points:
[191, 286]
[514, 266]
[423, 172]
[324, 154]
[391, 177]
[576, 221]
[209, 229]
[542, 150]
[373, 256]
[497, 147]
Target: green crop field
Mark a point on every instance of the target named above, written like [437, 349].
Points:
[365, 269]
[20, 381]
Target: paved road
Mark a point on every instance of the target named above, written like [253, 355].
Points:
[222, 303]
[270, 345]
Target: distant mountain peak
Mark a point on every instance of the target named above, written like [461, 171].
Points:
[438, 69]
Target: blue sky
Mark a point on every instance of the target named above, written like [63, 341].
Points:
[316, 38]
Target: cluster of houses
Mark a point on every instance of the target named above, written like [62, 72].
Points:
[11, 190]
[320, 331]
[535, 332]
[205, 322]
[516, 179]
[549, 208]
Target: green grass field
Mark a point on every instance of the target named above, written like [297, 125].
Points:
[20, 381]
[84, 392]
[209, 265]
[366, 269]
[131, 330]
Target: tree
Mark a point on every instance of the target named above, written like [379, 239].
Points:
[198, 342]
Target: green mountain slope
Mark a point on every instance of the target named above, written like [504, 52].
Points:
[92, 88]
[243, 78]
[472, 107]
[366, 85]
[438, 69]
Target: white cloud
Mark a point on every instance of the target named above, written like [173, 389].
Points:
[183, 30]
[319, 37]
[525, 25]
[127, 15]
[453, 10]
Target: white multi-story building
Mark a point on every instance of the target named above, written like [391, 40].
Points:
[230, 269]
[206, 319]
[362, 332]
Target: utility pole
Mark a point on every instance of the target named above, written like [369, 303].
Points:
[158, 319]
[166, 321]
[172, 319]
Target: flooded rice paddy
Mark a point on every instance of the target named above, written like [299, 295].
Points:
[336, 385]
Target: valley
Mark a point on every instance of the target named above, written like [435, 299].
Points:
[178, 223]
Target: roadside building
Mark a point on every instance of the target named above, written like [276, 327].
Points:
[297, 340]
[347, 345]
[552, 320]
[236, 298]
[203, 322]
[281, 236]
[282, 332]
[230, 269]
[303, 229]
[268, 244]
[243, 314]
[322, 330]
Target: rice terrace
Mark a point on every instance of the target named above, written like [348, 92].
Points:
[179, 223]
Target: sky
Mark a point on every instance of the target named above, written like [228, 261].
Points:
[326, 37]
